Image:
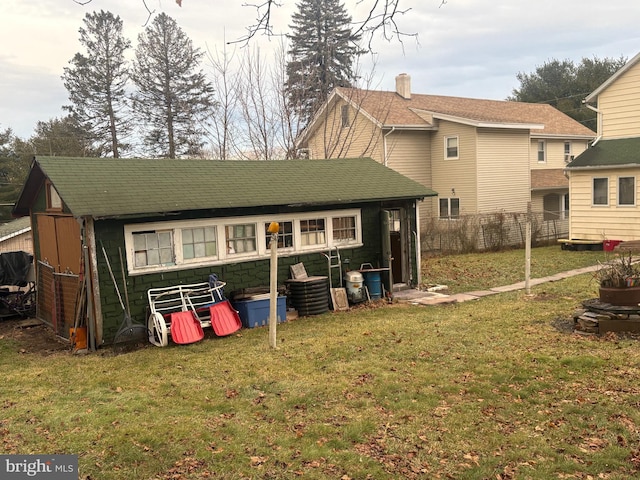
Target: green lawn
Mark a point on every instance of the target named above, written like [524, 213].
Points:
[487, 389]
[475, 271]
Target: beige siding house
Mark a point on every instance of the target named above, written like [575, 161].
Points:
[481, 156]
[604, 179]
[16, 236]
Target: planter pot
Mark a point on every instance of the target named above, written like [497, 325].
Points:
[629, 296]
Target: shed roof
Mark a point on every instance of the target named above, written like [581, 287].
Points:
[609, 153]
[102, 187]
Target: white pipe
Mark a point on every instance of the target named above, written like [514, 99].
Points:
[384, 138]
[599, 123]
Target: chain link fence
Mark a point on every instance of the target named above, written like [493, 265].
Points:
[489, 232]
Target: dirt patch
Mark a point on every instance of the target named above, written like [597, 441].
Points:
[32, 336]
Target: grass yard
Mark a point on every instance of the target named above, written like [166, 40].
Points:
[476, 271]
[488, 389]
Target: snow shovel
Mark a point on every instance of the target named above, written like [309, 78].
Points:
[128, 331]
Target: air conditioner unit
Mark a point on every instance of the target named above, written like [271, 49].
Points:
[568, 158]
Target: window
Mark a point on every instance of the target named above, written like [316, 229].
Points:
[601, 191]
[54, 202]
[241, 239]
[346, 121]
[181, 244]
[449, 207]
[567, 152]
[451, 147]
[153, 248]
[199, 242]
[285, 235]
[542, 152]
[312, 232]
[344, 229]
[626, 191]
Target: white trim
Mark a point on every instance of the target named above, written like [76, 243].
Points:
[446, 147]
[262, 250]
[593, 192]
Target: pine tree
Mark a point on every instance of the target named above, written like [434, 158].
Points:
[173, 99]
[96, 83]
[323, 51]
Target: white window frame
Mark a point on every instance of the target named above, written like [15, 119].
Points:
[568, 156]
[633, 203]
[593, 192]
[448, 216]
[446, 147]
[542, 149]
[262, 249]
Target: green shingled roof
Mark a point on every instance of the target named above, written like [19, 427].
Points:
[101, 187]
[605, 153]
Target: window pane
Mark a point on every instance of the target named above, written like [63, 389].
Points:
[455, 207]
[188, 252]
[600, 191]
[199, 242]
[444, 208]
[153, 257]
[240, 238]
[626, 191]
[312, 232]
[452, 147]
[285, 235]
[344, 229]
[541, 156]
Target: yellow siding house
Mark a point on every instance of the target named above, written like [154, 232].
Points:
[603, 180]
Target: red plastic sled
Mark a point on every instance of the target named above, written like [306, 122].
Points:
[224, 318]
[186, 328]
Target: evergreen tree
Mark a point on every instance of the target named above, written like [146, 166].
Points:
[96, 83]
[60, 137]
[564, 85]
[173, 98]
[13, 172]
[323, 51]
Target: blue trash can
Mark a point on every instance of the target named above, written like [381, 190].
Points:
[373, 282]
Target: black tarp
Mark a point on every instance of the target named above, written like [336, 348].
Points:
[14, 268]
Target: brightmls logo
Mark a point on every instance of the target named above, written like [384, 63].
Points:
[47, 467]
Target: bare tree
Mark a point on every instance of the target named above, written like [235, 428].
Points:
[381, 16]
[226, 93]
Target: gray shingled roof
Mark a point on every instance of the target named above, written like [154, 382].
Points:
[101, 187]
[614, 153]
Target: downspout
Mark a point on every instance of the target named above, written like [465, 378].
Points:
[599, 123]
[416, 234]
[384, 139]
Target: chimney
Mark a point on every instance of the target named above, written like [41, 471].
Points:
[403, 85]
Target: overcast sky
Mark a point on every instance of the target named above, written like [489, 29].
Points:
[470, 48]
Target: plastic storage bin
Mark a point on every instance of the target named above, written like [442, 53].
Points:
[255, 312]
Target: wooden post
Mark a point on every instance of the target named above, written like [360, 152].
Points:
[273, 287]
[527, 254]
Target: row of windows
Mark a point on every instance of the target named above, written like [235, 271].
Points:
[626, 191]
[174, 245]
